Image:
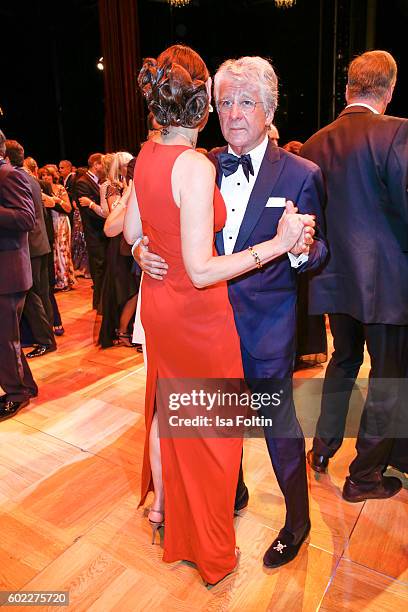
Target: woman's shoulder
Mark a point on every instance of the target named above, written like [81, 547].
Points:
[194, 161]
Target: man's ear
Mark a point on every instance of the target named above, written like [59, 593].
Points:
[269, 115]
[347, 94]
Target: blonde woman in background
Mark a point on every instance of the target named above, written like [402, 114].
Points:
[119, 293]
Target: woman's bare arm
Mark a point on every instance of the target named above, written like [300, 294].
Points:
[193, 183]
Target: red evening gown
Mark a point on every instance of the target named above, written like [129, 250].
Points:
[190, 333]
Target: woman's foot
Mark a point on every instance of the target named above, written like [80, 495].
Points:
[156, 520]
[123, 339]
[58, 330]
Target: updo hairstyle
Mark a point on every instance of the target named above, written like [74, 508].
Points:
[174, 87]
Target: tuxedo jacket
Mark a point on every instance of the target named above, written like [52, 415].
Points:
[37, 238]
[364, 159]
[264, 300]
[17, 218]
[70, 186]
[93, 223]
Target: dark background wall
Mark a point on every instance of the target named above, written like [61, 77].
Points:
[51, 93]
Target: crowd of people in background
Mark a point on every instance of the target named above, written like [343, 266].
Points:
[68, 241]
[79, 223]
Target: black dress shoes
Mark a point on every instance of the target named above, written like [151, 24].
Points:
[282, 550]
[388, 487]
[241, 499]
[41, 349]
[318, 463]
[8, 408]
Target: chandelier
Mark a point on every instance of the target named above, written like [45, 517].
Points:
[179, 2]
[285, 3]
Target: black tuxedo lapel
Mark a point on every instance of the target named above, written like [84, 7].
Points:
[93, 185]
[264, 184]
[219, 237]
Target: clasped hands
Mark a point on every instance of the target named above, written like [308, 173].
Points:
[295, 231]
[298, 228]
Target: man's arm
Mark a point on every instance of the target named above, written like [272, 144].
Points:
[17, 211]
[310, 201]
[82, 190]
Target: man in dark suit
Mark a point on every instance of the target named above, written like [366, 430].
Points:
[67, 179]
[37, 306]
[256, 178]
[364, 287]
[17, 218]
[87, 186]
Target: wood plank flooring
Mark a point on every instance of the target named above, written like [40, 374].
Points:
[69, 485]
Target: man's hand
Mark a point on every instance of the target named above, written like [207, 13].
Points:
[150, 263]
[305, 240]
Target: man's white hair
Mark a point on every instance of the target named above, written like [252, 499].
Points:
[257, 71]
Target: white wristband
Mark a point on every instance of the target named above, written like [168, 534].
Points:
[136, 244]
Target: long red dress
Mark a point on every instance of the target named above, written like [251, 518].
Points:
[190, 333]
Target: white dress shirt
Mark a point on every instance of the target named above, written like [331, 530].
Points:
[236, 191]
[371, 108]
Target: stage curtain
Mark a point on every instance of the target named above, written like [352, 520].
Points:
[124, 108]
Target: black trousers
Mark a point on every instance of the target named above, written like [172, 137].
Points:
[15, 375]
[387, 346]
[97, 247]
[285, 440]
[37, 308]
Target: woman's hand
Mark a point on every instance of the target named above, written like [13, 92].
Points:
[48, 201]
[84, 201]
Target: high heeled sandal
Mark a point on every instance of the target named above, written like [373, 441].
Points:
[156, 525]
[210, 585]
[123, 339]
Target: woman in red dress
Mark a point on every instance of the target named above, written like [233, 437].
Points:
[188, 320]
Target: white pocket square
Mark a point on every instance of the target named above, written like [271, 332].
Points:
[276, 203]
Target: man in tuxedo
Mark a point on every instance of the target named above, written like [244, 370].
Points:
[67, 178]
[364, 286]
[17, 218]
[256, 178]
[87, 186]
[37, 307]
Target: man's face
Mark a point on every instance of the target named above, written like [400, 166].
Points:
[64, 169]
[243, 123]
[98, 169]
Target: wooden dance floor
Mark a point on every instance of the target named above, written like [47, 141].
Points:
[69, 484]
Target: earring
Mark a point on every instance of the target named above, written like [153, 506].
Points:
[210, 108]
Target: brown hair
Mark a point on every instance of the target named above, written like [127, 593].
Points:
[15, 153]
[174, 87]
[42, 171]
[371, 74]
[94, 159]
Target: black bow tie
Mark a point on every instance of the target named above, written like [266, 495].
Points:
[229, 164]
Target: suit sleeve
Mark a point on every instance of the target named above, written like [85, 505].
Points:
[397, 185]
[82, 190]
[311, 201]
[17, 212]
